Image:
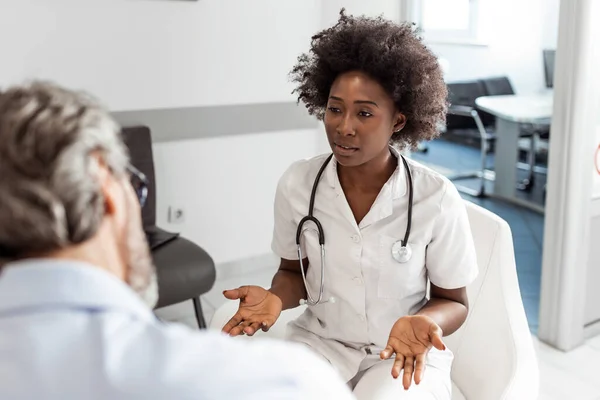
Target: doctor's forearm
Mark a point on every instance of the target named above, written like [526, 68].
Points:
[448, 314]
[289, 287]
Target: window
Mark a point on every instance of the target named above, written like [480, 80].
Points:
[446, 20]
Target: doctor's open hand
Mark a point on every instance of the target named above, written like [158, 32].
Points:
[411, 339]
[259, 309]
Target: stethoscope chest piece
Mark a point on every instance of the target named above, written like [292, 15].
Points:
[401, 253]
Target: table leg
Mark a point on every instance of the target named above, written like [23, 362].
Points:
[506, 157]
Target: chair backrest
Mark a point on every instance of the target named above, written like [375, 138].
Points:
[497, 86]
[139, 143]
[464, 94]
[494, 354]
[549, 67]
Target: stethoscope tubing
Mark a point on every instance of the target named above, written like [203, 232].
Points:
[310, 217]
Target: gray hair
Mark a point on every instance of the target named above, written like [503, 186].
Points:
[49, 196]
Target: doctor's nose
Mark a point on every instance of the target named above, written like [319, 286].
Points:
[345, 127]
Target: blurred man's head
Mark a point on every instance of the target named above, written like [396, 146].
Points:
[65, 185]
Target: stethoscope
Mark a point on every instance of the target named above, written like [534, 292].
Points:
[401, 250]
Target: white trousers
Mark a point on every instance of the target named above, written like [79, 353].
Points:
[377, 383]
[374, 380]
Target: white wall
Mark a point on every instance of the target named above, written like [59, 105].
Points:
[140, 54]
[389, 9]
[227, 187]
[550, 13]
[181, 54]
[515, 32]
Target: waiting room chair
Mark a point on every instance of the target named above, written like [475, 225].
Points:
[184, 270]
[463, 119]
[494, 353]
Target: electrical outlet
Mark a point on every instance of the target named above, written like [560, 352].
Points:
[176, 215]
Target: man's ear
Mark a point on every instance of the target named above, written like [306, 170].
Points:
[107, 184]
[399, 122]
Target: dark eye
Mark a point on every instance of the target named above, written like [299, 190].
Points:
[334, 109]
[365, 114]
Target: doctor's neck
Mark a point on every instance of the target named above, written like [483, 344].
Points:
[369, 176]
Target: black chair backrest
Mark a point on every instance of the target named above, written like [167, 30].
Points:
[465, 94]
[497, 86]
[139, 142]
[549, 67]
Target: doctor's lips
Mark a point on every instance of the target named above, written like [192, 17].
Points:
[344, 149]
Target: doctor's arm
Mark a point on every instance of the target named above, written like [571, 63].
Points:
[287, 283]
[448, 308]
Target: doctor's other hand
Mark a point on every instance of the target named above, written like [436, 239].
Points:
[259, 309]
[411, 339]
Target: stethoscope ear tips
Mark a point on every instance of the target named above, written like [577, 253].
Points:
[332, 299]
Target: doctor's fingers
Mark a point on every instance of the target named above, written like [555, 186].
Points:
[248, 327]
[234, 323]
[238, 293]
[251, 329]
[398, 365]
[240, 329]
[409, 367]
[419, 368]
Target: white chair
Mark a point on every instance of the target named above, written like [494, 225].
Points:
[494, 354]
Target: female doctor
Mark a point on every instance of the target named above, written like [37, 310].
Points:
[390, 227]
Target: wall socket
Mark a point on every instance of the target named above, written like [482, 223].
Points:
[176, 215]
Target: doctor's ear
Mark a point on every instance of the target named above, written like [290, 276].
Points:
[399, 122]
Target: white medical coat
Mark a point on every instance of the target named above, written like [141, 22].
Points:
[371, 289]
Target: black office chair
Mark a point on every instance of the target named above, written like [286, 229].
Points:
[465, 120]
[185, 271]
[549, 56]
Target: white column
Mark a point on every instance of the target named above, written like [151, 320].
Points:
[572, 145]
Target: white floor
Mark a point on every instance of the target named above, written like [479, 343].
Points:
[563, 376]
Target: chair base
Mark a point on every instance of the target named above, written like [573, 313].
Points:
[484, 175]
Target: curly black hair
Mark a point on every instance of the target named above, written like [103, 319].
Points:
[392, 54]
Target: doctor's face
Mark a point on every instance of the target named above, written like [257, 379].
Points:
[360, 119]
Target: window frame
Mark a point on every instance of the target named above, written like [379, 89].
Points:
[470, 36]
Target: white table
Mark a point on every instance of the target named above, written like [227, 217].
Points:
[511, 111]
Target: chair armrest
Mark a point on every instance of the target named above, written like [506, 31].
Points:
[157, 237]
[464, 111]
[467, 111]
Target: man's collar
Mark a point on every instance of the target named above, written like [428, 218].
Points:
[52, 284]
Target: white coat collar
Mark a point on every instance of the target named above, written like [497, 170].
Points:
[397, 183]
